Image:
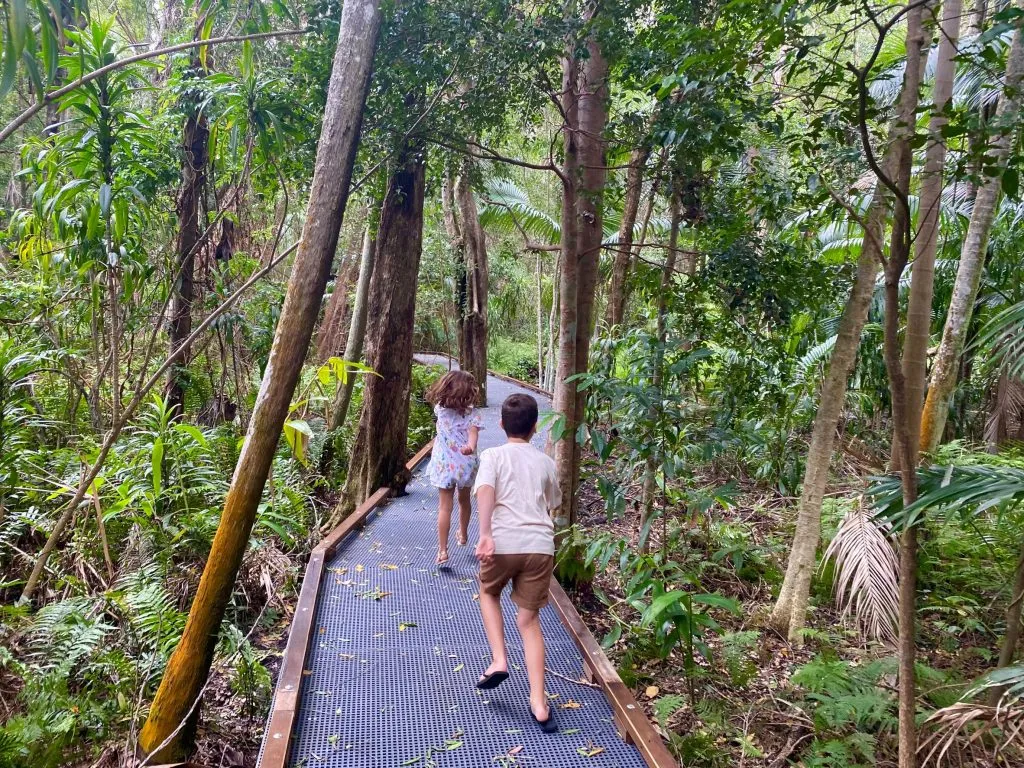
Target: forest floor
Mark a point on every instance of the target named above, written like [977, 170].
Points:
[739, 704]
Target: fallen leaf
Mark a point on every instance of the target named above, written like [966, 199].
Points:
[412, 761]
[406, 625]
[346, 656]
[452, 744]
[459, 668]
[359, 569]
[569, 731]
[515, 751]
[570, 704]
[652, 691]
[591, 750]
[389, 567]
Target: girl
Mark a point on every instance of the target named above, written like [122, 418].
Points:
[453, 460]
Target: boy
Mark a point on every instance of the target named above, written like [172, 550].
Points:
[516, 489]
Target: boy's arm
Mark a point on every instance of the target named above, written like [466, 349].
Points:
[485, 506]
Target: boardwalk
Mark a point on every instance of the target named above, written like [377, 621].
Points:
[397, 645]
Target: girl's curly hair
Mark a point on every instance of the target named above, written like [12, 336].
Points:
[457, 390]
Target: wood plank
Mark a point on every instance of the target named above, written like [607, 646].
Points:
[289, 681]
[329, 544]
[629, 716]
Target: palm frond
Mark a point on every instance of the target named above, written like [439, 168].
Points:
[816, 356]
[507, 208]
[1008, 405]
[1004, 723]
[1002, 337]
[867, 569]
[965, 490]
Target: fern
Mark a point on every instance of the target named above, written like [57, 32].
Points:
[666, 706]
[815, 356]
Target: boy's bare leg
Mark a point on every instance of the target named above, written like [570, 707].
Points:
[465, 510]
[494, 626]
[533, 648]
[445, 500]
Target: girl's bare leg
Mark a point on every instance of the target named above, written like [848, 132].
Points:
[445, 501]
[465, 510]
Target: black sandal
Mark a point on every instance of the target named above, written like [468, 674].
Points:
[493, 680]
[548, 726]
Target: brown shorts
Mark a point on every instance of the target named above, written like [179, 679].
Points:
[530, 575]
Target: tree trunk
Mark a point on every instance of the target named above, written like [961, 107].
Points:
[540, 319]
[565, 390]
[903, 416]
[623, 256]
[356, 330]
[593, 118]
[193, 180]
[379, 453]
[552, 361]
[790, 611]
[651, 469]
[922, 281]
[177, 700]
[474, 326]
[976, 22]
[331, 339]
[454, 232]
[972, 259]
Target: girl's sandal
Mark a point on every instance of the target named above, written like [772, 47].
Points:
[461, 540]
[442, 556]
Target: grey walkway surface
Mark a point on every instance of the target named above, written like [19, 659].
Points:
[398, 645]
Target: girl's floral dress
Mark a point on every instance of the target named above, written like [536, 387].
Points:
[449, 468]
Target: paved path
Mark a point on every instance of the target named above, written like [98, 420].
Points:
[398, 645]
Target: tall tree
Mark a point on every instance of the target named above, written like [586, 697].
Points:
[624, 245]
[357, 327]
[593, 118]
[919, 310]
[195, 151]
[946, 367]
[332, 336]
[904, 458]
[170, 726]
[379, 452]
[790, 610]
[565, 388]
[473, 343]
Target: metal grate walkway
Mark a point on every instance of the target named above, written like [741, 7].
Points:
[397, 646]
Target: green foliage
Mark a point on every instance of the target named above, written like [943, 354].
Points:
[849, 708]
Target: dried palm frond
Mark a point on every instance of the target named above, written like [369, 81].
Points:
[1006, 411]
[867, 568]
[1004, 723]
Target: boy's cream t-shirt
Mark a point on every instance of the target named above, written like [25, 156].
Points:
[525, 490]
